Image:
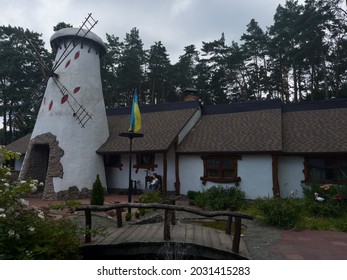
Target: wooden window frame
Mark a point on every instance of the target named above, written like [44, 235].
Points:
[220, 169]
[333, 169]
[112, 163]
[145, 164]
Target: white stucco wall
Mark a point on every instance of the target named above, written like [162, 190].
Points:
[290, 175]
[256, 175]
[119, 179]
[255, 172]
[191, 169]
[80, 74]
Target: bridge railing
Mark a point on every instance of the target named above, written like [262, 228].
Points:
[169, 217]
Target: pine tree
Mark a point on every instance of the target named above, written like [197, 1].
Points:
[97, 196]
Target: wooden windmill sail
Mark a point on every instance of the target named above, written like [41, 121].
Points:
[60, 153]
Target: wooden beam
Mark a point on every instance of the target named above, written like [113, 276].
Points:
[275, 182]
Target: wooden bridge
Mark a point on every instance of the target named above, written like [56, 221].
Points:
[167, 239]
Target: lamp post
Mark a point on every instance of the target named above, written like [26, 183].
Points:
[131, 135]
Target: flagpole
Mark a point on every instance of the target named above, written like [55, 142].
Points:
[131, 135]
[135, 126]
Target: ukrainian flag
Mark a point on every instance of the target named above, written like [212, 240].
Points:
[135, 118]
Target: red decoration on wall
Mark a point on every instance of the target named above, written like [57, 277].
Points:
[50, 105]
[77, 55]
[67, 63]
[77, 89]
[64, 98]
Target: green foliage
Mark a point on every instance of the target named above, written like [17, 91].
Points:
[29, 233]
[220, 198]
[97, 194]
[150, 197]
[128, 216]
[334, 204]
[283, 213]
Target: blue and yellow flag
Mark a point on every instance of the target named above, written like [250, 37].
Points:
[135, 118]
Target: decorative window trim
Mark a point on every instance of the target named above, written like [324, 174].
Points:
[219, 169]
[334, 169]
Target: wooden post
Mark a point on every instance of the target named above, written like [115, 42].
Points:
[119, 217]
[275, 181]
[167, 225]
[88, 214]
[228, 225]
[173, 212]
[237, 235]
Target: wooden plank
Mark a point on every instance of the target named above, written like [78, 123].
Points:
[206, 236]
[226, 241]
[190, 233]
[108, 239]
[154, 233]
[215, 239]
[118, 235]
[136, 232]
[178, 233]
[198, 238]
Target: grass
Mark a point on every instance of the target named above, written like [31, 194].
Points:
[219, 225]
[325, 223]
[307, 221]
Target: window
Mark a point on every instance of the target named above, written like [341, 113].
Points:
[113, 160]
[145, 161]
[220, 169]
[326, 170]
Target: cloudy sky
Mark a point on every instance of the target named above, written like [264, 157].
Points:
[176, 23]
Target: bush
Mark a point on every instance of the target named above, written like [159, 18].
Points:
[150, 197]
[97, 195]
[220, 198]
[283, 213]
[334, 204]
[27, 233]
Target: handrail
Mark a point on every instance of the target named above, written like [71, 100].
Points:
[169, 209]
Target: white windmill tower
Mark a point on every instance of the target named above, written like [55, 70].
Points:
[71, 124]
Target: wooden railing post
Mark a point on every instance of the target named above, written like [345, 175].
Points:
[88, 214]
[173, 212]
[167, 225]
[229, 224]
[237, 235]
[119, 217]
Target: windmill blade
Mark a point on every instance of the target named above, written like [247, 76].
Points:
[85, 28]
[79, 112]
[36, 54]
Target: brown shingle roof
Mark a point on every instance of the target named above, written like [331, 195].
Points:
[255, 131]
[315, 131]
[20, 145]
[160, 130]
[313, 127]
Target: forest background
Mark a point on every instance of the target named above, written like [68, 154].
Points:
[301, 57]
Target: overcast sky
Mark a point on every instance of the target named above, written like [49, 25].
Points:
[176, 23]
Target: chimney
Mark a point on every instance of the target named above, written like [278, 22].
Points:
[190, 94]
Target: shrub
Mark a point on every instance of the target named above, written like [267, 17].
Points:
[191, 195]
[150, 197]
[334, 204]
[27, 233]
[283, 213]
[220, 198]
[97, 195]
